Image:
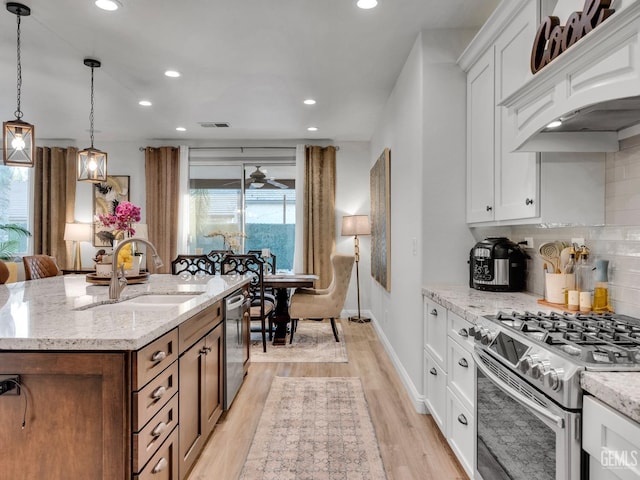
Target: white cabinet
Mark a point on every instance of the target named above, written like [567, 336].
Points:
[612, 441]
[449, 379]
[507, 187]
[501, 185]
[435, 328]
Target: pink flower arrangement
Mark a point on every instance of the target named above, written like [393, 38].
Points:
[125, 215]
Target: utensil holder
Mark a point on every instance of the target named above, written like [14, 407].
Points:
[557, 284]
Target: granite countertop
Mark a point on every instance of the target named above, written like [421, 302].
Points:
[55, 313]
[620, 390]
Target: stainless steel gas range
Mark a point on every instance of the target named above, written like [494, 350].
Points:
[528, 393]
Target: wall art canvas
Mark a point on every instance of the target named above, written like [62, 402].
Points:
[380, 180]
[106, 197]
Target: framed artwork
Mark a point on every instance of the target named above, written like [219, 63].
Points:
[106, 197]
[380, 183]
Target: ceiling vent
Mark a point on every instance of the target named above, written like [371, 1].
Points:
[215, 124]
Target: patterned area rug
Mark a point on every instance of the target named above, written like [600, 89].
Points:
[314, 428]
[312, 342]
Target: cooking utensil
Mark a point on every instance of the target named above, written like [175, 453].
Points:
[550, 251]
[564, 257]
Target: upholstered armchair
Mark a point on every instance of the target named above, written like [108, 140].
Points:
[4, 273]
[323, 303]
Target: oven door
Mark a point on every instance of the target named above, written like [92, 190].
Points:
[521, 434]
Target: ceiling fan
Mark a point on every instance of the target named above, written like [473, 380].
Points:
[258, 179]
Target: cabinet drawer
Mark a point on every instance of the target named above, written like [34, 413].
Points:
[147, 441]
[461, 432]
[164, 464]
[459, 330]
[197, 326]
[435, 328]
[461, 372]
[435, 390]
[155, 357]
[611, 438]
[148, 401]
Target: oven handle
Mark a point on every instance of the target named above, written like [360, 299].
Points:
[516, 395]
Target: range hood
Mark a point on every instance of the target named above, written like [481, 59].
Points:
[593, 88]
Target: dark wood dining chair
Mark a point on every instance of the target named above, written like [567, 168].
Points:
[40, 266]
[269, 262]
[216, 257]
[193, 264]
[261, 309]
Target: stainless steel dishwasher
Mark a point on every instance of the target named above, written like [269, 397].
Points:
[235, 339]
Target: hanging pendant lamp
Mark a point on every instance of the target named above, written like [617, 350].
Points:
[17, 135]
[92, 163]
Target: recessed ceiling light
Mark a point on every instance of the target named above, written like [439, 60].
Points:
[181, 129]
[109, 5]
[144, 103]
[172, 73]
[313, 129]
[309, 101]
[555, 124]
[367, 4]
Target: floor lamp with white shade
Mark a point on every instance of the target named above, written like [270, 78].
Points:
[356, 225]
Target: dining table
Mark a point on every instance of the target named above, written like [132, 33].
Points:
[282, 283]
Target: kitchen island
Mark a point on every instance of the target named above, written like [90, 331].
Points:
[94, 385]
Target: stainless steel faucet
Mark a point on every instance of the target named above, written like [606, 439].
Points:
[118, 280]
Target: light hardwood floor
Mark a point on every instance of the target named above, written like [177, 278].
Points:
[411, 444]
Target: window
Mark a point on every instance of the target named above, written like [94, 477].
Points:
[15, 205]
[243, 206]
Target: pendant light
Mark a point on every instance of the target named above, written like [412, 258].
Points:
[92, 163]
[17, 135]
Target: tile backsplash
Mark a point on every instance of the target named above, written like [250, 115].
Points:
[618, 241]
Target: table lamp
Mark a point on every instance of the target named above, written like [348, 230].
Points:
[356, 225]
[77, 232]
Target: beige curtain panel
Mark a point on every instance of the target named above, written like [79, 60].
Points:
[162, 175]
[54, 201]
[319, 230]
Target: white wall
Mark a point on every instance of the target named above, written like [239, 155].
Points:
[424, 126]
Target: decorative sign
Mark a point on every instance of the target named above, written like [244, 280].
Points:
[552, 39]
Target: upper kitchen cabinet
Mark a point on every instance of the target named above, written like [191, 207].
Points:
[512, 187]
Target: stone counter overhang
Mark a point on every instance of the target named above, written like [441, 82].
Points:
[54, 314]
[620, 390]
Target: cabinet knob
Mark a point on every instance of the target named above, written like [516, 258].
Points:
[463, 363]
[159, 430]
[489, 208]
[463, 332]
[529, 201]
[158, 356]
[434, 312]
[158, 393]
[160, 466]
[462, 419]
[433, 371]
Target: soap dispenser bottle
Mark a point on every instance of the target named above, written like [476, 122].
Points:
[601, 287]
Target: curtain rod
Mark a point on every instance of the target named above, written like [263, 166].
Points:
[142, 149]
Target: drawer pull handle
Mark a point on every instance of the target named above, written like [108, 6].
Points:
[433, 371]
[434, 312]
[463, 332]
[205, 350]
[489, 208]
[158, 393]
[159, 356]
[463, 363]
[529, 201]
[159, 430]
[462, 419]
[160, 466]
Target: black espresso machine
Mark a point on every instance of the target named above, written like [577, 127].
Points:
[497, 264]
